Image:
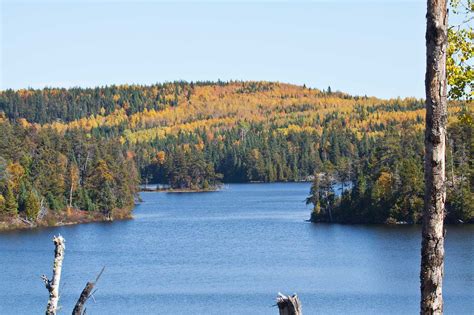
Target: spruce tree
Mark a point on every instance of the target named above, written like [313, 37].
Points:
[32, 206]
[11, 204]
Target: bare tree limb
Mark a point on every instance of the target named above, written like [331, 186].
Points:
[85, 295]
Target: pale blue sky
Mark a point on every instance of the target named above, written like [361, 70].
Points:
[361, 47]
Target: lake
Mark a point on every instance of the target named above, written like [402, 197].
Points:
[231, 252]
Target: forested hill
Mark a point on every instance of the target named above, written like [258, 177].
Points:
[195, 135]
[246, 131]
[52, 104]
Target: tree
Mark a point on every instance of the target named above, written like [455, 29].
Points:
[11, 204]
[432, 248]
[314, 198]
[102, 183]
[2, 204]
[322, 197]
[73, 181]
[32, 206]
[460, 196]
[106, 200]
[461, 51]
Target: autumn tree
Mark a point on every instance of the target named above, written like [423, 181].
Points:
[73, 181]
[460, 51]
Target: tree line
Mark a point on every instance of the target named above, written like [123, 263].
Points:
[196, 135]
[386, 181]
[45, 175]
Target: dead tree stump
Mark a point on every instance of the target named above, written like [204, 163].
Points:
[289, 305]
[53, 284]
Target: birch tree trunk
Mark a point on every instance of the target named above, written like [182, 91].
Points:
[53, 284]
[432, 248]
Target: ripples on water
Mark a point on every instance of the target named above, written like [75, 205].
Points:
[230, 252]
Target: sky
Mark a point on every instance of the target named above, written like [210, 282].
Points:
[373, 48]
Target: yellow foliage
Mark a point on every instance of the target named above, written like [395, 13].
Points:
[292, 109]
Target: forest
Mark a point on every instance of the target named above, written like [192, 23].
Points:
[97, 144]
[386, 181]
[48, 178]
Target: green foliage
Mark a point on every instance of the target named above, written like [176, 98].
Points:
[106, 200]
[188, 169]
[94, 145]
[460, 72]
[11, 204]
[460, 169]
[2, 205]
[32, 206]
[84, 201]
[104, 176]
[388, 181]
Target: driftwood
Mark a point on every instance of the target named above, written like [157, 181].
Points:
[85, 295]
[26, 221]
[53, 284]
[289, 305]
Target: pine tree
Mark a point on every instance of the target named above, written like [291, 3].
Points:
[314, 198]
[32, 206]
[2, 204]
[11, 204]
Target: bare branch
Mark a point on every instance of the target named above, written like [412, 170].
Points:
[85, 295]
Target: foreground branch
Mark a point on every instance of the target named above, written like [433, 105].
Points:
[53, 284]
[85, 295]
[289, 305]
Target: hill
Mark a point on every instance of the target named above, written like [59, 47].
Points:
[195, 135]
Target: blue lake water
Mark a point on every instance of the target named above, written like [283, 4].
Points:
[231, 252]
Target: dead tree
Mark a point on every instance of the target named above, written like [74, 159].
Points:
[85, 295]
[289, 305]
[432, 248]
[53, 284]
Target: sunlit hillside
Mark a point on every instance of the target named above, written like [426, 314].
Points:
[149, 112]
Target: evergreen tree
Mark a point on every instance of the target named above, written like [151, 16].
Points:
[32, 206]
[314, 197]
[11, 204]
[2, 205]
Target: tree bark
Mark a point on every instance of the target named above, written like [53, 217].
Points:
[85, 295]
[289, 305]
[53, 284]
[432, 251]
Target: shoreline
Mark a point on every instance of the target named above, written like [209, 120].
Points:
[56, 220]
[214, 189]
[170, 190]
[183, 190]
